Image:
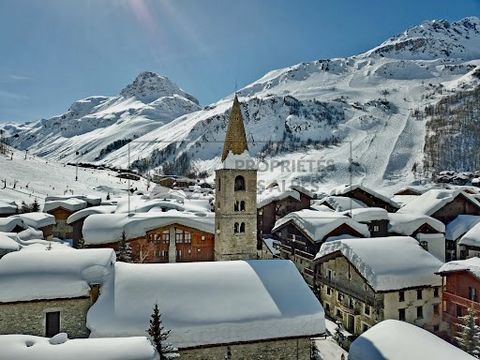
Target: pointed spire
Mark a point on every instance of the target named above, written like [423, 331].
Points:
[235, 139]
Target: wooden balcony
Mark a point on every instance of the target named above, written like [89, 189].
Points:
[459, 300]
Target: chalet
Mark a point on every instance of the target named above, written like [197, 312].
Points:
[301, 234]
[455, 229]
[398, 340]
[44, 292]
[8, 208]
[61, 210]
[364, 281]
[173, 181]
[443, 205]
[12, 224]
[338, 203]
[273, 204]
[77, 219]
[428, 231]
[171, 236]
[461, 289]
[469, 244]
[214, 308]
[366, 196]
[375, 218]
[410, 191]
[39, 221]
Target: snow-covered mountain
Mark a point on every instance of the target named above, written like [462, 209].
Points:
[96, 126]
[310, 114]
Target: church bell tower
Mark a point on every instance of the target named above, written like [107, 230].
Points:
[236, 194]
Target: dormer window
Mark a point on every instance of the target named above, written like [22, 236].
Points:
[239, 183]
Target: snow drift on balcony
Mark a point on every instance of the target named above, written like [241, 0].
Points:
[209, 302]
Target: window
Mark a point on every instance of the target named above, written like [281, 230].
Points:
[242, 227]
[472, 293]
[459, 311]
[339, 314]
[219, 184]
[419, 312]
[198, 250]
[339, 296]
[329, 275]
[435, 292]
[52, 323]
[436, 309]
[419, 294]
[236, 206]
[242, 205]
[239, 183]
[365, 327]
[156, 238]
[351, 303]
[166, 237]
[366, 309]
[187, 237]
[327, 307]
[401, 296]
[376, 228]
[329, 291]
[401, 314]
[236, 228]
[203, 238]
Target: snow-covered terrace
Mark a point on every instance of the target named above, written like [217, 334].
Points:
[210, 302]
[388, 263]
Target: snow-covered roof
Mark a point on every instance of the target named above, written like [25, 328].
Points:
[275, 194]
[72, 204]
[142, 204]
[417, 190]
[8, 207]
[398, 340]
[209, 302]
[460, 225]
[321, 208]
[107, 228]
[407, 224]
[27, 347]
[82, 214]
[9, 223]
[388, 263]
[270, 244]
[345, 189]
[89, 199]
[471, 265]
[37, 220]
[7, 244]
[340, 203]
[318, 224]
[242, 161]
[433, 200]
[403, 200]
[56, 273]
[471, 237]
[366, 215]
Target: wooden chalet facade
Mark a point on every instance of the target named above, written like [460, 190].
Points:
[369, 198]
[61, 229]
[461, 205]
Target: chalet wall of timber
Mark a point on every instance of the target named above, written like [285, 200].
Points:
[370, 200]
[76, 234]
[461, 291]
[61, 229]
[460, 205]
[270, 213]
[172, 243]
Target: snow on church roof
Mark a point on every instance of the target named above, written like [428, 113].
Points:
[27, 347]
[407, 224]
[388, 263]
[209, 302]
[52, 274]
[433, 200]
[318, 224]
[398, 340]
[108, 228]
[471, 265]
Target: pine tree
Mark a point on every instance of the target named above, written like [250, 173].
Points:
[35, 207]
[24, 208]
[468, 335]
[124, 252]
[159, 336]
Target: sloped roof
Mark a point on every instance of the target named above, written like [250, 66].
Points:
[235, 137]
[345, 189]
[471, 265]
[407, 224]
[471, 237]
[460, 225]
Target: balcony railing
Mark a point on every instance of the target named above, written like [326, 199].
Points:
[465, 302]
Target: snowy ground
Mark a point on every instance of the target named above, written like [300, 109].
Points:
[37, 178]
[328, 349]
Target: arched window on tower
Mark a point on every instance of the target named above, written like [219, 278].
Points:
[242, 205]
[236, 206]
[236, 228]
[242, 227]
[239, 183]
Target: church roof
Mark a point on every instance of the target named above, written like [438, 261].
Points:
[235, 138]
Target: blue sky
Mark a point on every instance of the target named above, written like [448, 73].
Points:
[53, 52]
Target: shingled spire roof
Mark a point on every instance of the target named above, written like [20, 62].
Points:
[235, 138]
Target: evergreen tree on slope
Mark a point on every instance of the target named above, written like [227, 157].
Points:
[124, 252]
[468, 335]
[159, 336]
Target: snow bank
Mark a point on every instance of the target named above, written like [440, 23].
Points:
[367, 215]
[460, 225]
[42, 274]
[398, 340]
[407, 224]
[82, 214]
[27, 347]
[318, 224]
[107, 228]
[209, 302]
[72, 204]
[433, 200]
[471, 265]
[388, 263]
[472, 237]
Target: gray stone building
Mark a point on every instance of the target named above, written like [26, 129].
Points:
[236, 195]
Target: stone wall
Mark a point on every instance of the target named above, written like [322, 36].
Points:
[265, 350]
[29, 317]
